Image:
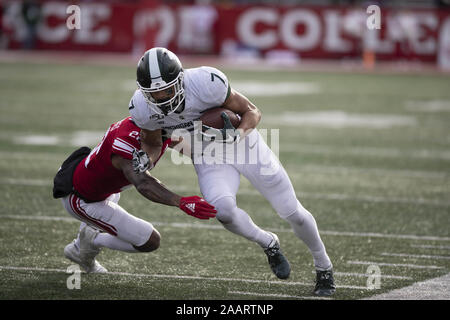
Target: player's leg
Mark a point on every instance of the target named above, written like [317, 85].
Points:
[219, 184]
[120, 231]
[270, 178]
[122, 241]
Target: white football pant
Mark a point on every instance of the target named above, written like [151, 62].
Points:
[219, 184]
[123, 230]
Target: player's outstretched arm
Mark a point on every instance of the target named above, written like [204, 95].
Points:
[155, 191]
[250, 114]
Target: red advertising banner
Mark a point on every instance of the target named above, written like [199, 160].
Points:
[308, 32]
[103, 26]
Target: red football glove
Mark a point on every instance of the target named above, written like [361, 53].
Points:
[197, 207]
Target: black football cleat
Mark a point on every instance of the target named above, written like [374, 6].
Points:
[324, 283]
[277, 261]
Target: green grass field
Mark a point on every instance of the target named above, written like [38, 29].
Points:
[368, 155]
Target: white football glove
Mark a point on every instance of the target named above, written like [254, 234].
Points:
[141, 162]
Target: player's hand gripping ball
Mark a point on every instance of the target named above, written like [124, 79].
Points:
[219, 124]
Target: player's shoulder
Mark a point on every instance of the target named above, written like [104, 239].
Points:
[208, 83]
[141, 113]
[126, 136]
[137, 106]
[126, 129]
[205, 75]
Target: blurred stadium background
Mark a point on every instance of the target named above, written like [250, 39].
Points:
[363, 117]
[288, 31]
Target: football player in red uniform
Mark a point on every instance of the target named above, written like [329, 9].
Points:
[116, 163]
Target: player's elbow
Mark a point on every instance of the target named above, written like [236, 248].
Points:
[258, 115]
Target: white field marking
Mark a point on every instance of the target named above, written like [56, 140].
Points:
[250, 192]
[428, 106]
[86, 138]
[277, 295]
[185, 277]
[433, 289]
[219, 227]
[77, 138]
[40, 218]
[395, 265]
[365, 275]
[43, 140]
[364, 198]
[426, 246]
[429, 174]
[21, 155]
[384, 235]
[337, 119]
[27, 182]
[420, 256]
[367, 151]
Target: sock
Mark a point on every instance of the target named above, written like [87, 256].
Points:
[305, 228]
[114, 243]
[77, 240]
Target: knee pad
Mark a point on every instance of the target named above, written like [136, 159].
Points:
[226, 207]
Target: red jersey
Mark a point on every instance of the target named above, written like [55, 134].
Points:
[95, 178]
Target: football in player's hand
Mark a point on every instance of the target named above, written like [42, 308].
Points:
[213, 118]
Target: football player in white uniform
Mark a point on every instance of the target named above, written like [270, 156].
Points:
[170, 98]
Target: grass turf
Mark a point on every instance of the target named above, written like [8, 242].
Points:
[367, 187]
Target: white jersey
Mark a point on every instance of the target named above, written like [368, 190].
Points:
[205, 88]
[221, 164]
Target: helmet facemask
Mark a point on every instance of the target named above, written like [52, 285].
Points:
[170, 105]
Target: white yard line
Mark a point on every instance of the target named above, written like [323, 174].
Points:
[426, 246]
[180, 277]
[277, 295]
[367, 151]
[434, 289]
[365, 275]
[384, 235]
[27, 182]
[219, 227]
[365, 198]
[343, 170]
[338, 119]
[420, 256]
[395, 265]
[242, 191]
